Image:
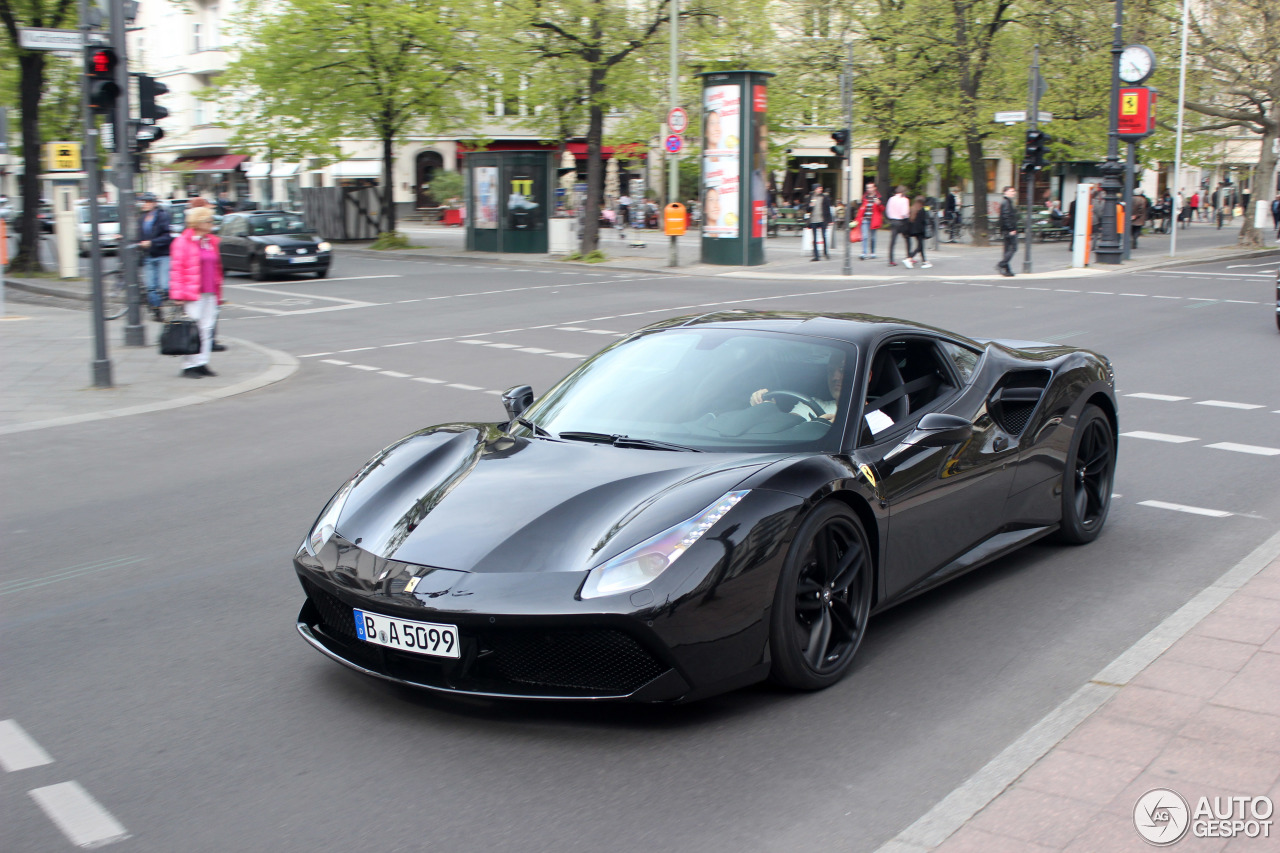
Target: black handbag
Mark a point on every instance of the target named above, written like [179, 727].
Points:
[180, 336]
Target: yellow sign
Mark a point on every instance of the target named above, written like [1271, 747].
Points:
[1128, 105]
[62, 156]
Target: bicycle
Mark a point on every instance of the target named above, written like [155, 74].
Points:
[115, 290]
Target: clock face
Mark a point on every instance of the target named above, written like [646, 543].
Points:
[1136, 63]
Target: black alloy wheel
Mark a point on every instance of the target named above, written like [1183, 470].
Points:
[1088, 478]
[823, 600]
[257, 271]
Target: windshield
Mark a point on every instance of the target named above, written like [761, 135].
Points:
[106, 213]
[701, 388]
[281, 224]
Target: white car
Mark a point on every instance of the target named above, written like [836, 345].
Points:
[108, 228]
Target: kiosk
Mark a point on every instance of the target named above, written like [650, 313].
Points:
[509, 198]
[735, 148]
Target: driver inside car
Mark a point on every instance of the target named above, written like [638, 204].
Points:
[835, 381]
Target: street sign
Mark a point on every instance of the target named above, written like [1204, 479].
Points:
[62, 156]
[674, 143]
[677, 120]
[42, 38]
[1015, 116]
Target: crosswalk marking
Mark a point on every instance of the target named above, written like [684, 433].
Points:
[1245, 448]
[1158, 436]
[18, 750]
[1223, 404]
[1193, 510]
[80, 817]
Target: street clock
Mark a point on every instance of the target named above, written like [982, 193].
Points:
[1136, 63]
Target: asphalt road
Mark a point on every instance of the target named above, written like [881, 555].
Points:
[148, 641]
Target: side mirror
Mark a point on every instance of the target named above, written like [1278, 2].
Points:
[516, 400]
[934, 430]
[938, 430]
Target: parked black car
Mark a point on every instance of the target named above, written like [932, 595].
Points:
[263, 242]
[659, 526]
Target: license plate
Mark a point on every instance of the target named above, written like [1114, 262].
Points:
[423, 638]
[300, 260]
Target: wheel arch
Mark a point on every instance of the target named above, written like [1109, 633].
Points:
[1108, 407]
[862, 510]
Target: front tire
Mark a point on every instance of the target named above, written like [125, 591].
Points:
[823, 600]
[1088, 478]
[323, 272]
[257, 271]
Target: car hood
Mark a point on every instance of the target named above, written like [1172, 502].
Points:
[285, 239]
[472, 498]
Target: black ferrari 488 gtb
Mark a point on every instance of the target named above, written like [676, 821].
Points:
[709, 502]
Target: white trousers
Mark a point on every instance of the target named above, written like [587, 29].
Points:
[205, 312]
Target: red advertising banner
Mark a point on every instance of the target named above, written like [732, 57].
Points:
[1137, 119]
[760, 99]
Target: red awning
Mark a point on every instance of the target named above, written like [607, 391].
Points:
[221, 163]
[577, 149]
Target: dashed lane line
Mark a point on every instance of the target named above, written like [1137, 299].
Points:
[1224, 404]
[1193, 510]
[1245, 448]
[1158, 436]
[1169, 398]
[80, 817]
[19, 750]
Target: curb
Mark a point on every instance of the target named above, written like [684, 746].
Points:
[282, 367]
[419, 252]
[39, 287]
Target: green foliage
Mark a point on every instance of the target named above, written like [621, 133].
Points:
[595, 256]
[446, 185]
[388, 240]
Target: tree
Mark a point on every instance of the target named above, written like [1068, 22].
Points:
[592, 44]
[1238, 43]
[31, 90]
[314, 71]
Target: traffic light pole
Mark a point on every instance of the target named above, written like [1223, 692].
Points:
[1029, 175]
[122, 170]
[101, 365]
[847, 93]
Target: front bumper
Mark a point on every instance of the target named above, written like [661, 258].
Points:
[603, 657]
[302, 263]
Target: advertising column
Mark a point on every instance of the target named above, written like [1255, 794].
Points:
[735, 146]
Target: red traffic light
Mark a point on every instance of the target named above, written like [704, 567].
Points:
[101, 62]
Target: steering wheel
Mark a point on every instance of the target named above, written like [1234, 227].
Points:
[816, 411]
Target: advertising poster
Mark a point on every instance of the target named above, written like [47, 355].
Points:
[759, 159]
[486, 197]
[721, 160]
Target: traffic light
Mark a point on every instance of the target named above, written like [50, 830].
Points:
[841, 148]
[149, 88]
[1037, 147]
[144, 135]
[100, 68]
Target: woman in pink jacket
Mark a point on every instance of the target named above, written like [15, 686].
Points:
[195, 277]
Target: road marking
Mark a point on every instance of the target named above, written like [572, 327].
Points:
[534, 350]
[428, 381]
[474, 341]
[1229, 274]
[1159, 436]
[332, 361]
[464, 387]
[80, 817]
[23, 584]
[1064, 290]
[1170, 398]
[1245, 448]
[1101, 293]
[504, 346]
[1134, 294]
[567, 355]
[18, 750]
[570, 329]
[349, 278]
[1193, 510]
[356, 349]
[364, 367]
[393, 374]
[1166, 297]
[599, 332]
[1223, 404]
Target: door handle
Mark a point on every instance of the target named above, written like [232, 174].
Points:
[1000, 443]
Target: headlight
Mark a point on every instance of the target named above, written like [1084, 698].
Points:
[323, 247]
[637, 567]
[327, 524]
[271, 250]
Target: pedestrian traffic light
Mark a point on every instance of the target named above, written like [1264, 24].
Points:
[100, 68]
[149, 88]
[144, 135]
[841, 148]
[1037, 147]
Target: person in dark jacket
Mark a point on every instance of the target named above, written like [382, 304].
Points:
[820, 218]
[1008, 225]
[916, 227]
[154, 238]
[1138, 218]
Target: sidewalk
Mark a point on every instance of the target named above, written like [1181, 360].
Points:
[46, 371]
[1191, 711]
[786, 259]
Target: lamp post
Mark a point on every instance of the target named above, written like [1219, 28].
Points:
[1110, 250]
[673, 160]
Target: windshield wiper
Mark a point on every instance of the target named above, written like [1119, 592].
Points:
[625, 441]
[537, 430]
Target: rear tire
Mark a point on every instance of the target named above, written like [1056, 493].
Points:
[115, 296]
[1088, 478]
[823, 600]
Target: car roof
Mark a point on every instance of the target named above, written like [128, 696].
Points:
[852, 327]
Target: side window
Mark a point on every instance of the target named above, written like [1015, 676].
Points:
[907, 377]
[963, 359]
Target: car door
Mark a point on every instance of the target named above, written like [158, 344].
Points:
[942, 501]
[233, 249]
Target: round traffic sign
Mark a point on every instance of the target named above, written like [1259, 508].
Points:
[678, 120]
[674, 143]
